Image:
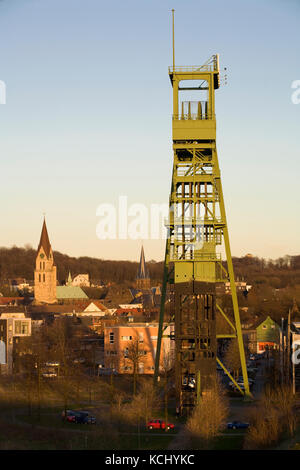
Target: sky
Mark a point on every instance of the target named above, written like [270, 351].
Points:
[88, 112]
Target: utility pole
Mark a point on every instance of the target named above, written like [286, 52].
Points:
[293, 367]
[282, 350]
[288, 346]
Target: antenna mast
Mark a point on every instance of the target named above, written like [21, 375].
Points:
[173, 38]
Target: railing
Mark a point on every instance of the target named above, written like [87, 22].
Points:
[193, 111]
[207, 169]
[193, 117]
[211, 65]
[196, 256]
[193, 68]
[193, 220]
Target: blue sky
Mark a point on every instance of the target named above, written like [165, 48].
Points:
[88, 116]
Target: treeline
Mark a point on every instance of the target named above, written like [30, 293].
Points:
[20, 262]
[280, 273]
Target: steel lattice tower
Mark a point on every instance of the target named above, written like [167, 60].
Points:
[197, 225]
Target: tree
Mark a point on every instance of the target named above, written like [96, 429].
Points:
[206, 422]
[232, 358]
[135, 355]
[273, 416]
[31, 354]
[166, 368]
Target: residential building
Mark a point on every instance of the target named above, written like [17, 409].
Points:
[134, 346]
[267, 335]
[13, 325]
[94, 309]
[81, 280]
[241, 286]
[250, 341]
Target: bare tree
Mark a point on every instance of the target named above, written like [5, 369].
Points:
[232, 358]
[273, 417]
[134, 354]
[166, 369]
[206, 422]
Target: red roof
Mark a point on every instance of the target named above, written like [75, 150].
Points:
[9, 300]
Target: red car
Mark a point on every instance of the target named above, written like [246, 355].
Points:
[159, 424]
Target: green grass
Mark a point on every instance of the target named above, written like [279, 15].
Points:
[229, 442]
[53, 421]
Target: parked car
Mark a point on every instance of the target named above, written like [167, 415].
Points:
[52, 364]
[87, 418]
[78, 417]
[69, 416]
[240, 382]
[159, 424]
[49, 375]
[79, 360]
[237, 425]
[106, 371]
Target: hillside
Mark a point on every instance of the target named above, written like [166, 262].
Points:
[19, 262]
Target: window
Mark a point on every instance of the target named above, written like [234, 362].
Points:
[111, 337]
[39, 278]
[143, 353]
[17, 327]
[126, 352]
[24, 328]
[141, 337]
[126, 338]
[43, 277]
[153, 338]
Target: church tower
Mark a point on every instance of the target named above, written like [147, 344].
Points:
[142, 278]
[45, 271]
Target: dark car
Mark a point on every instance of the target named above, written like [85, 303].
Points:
[78, 417]
[86, 418]
[237, 425]
[107, 371]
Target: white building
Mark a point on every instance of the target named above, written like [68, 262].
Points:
[81, 280]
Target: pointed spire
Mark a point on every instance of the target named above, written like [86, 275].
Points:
[44, 240]
[69, 281]
[142, 271]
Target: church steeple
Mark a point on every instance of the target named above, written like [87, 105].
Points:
[45, 271]
[44, 240]
[142, 278]
[69, 281]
